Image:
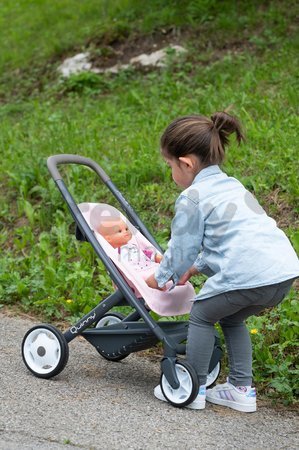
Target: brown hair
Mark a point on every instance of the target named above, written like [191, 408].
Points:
[201, 136]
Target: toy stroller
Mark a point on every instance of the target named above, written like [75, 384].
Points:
[115, 336]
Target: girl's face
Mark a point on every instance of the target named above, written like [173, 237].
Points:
[182, 173]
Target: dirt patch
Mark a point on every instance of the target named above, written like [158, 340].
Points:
[105, 53]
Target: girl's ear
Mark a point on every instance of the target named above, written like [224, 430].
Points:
[188, 161]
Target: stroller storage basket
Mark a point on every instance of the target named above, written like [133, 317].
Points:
[129, 337]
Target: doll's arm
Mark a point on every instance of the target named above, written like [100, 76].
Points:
[153, 255]
[158, 258]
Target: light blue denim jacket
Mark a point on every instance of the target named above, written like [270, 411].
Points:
[221, 229]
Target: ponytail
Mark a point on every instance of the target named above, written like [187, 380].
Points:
[199, 135]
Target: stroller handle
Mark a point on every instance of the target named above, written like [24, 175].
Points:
[55, 160]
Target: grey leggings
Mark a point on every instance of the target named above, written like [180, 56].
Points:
[230, 309]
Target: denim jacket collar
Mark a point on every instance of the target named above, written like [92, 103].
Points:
[206, 172]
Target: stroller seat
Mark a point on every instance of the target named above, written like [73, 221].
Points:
[178, 301]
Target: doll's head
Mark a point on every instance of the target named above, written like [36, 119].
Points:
[115, 231]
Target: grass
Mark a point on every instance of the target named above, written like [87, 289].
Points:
[245, 56]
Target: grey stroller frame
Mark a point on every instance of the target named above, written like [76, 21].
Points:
[45, 349]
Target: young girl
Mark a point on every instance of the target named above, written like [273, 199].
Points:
[220, 230]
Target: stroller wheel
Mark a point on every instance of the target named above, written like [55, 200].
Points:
[188, 388]
[105, 321]
[109, 319]
[213, 375]
[45, 351]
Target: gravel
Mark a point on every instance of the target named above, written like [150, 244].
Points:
[97, 404]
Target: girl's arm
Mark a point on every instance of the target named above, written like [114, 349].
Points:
[190, 273]
[202, 267]
[152, 283]
[187, 231]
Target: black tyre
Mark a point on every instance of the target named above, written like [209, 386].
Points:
[45, 351]
[188, 389]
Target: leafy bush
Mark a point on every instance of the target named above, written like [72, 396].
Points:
[275, 337]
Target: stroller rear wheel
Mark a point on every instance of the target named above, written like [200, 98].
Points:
[188, 389]
[105, 321]
[45, 351]
[109, 319]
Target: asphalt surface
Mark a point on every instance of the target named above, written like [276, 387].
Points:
[97, 404]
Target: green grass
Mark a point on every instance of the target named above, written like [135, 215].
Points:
[246, 56]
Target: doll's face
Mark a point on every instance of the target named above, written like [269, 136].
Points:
[116, 232]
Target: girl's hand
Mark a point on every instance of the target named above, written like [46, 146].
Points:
[152, 283]
[190, 273]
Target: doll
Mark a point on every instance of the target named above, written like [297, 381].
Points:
[118, 235]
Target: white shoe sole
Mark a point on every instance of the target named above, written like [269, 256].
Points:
[194, 405]
[197, 405]
[231, 404]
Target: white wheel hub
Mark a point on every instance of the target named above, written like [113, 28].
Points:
[181, 394]
[107, 320]
[213, 375]
[42, 351]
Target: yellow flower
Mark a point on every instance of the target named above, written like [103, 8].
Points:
[254, 331]
[69, 301]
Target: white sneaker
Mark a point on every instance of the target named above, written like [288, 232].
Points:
[198, 403]
[241, 398]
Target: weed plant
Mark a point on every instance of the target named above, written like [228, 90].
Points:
[242, 53]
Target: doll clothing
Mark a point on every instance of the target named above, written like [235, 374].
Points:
[142, 261]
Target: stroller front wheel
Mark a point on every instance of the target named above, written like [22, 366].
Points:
[188, 389]
[45, 351]
[213, 375]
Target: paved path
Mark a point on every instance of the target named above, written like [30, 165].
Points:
[97, 404]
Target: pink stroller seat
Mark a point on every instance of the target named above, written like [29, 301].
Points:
[165, 303]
